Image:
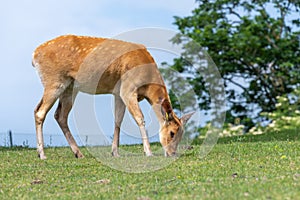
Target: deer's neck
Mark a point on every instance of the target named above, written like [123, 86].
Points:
[156, 94]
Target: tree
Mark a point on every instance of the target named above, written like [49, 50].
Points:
[254, 44]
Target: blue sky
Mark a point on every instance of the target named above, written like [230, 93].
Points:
[26, 24]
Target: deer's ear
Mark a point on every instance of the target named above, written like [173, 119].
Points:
[186, 117]
[166, 110]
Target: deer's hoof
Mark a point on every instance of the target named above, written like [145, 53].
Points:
[78, 154]
[115, 154]
[42, 156]
[148, 154]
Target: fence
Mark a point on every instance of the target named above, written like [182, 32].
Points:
[10, 139]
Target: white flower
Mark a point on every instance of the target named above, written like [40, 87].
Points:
[272, 115]
[272, 125]
[278, 105]
[252, 129]
[237, 128]
[258, 132]
[287, 118]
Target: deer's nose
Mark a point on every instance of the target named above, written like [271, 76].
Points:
[173, 154]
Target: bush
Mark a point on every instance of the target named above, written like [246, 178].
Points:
[285, 117]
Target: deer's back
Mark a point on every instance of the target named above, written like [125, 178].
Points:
[90, 60]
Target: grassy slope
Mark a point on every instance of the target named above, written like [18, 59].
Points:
[248, 167]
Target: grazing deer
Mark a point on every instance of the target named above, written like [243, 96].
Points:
[69, 64]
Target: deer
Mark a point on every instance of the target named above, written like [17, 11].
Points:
[70, 64]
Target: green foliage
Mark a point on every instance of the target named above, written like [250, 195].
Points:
[255, 45]
[255, 167]
[228, 130]
[181, 94]
[285, 117]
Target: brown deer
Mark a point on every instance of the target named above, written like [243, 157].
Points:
[69, 64]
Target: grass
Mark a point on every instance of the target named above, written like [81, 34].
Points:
[243, 167]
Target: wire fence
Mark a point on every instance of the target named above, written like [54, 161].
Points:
[13, 139]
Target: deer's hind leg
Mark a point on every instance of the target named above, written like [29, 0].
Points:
[61, 115]
[49, 97]
[119, 114]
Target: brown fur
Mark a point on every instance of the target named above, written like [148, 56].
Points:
[69, 64]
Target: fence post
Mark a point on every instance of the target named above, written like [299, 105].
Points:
[10, 138]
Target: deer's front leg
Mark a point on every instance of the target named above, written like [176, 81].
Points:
[134, 109]
[146, 143]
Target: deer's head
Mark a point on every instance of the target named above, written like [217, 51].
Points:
[172, 130]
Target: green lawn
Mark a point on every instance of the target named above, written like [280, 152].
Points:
[244, 167]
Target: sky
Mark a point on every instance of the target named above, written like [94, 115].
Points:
[29, 23]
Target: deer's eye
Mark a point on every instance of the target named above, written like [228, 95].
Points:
[172, 134]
